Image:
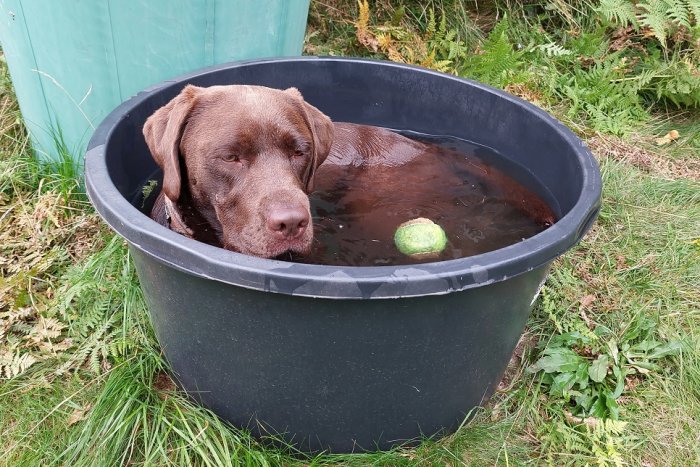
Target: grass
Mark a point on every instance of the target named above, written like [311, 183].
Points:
[82, 379]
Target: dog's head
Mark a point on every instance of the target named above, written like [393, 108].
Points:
[247, 155]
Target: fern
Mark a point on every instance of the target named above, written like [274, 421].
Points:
[601, 442]
[498, 59]
[552, 49]
[661, 17]
[679, 12]
[97, 298]
[603, 95]
[45, 329]
[694, 8]
[431, 27]
[444, 48]
[655, 17]
[14, 364]
[607, 442]
[621, 12]
[640, 82]
[680, 86]
[437, 46]
[676, 81]
[27, 337]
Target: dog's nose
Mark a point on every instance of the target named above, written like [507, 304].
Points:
[287, 222]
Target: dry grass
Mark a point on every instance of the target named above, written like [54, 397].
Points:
[46, 225]
[39, 236]
[638, 152]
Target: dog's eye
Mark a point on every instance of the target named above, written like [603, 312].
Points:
[299, 153]
[231, 158]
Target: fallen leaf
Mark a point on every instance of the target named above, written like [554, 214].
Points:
[620, 261]
[163, 383]
[667, 138]
[78, 414]
[587, 301]
[590, 422]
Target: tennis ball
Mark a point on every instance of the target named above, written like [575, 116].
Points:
[420, 238]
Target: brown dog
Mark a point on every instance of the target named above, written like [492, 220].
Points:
[243, 159]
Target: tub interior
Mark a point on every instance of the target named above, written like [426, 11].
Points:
[395, 98]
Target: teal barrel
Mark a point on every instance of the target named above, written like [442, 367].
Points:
[73, 61]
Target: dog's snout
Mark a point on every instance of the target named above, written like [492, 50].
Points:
[287, 222]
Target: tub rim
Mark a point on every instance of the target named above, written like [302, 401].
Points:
[338, 282]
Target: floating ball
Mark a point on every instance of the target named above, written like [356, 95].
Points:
[420, 238]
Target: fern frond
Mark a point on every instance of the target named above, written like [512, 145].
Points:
[679, 12]
[604, 95]
[642, 80]
[680, 84]
[552, 49]
[442, 32]
[431, 27]
[498, 58]
[12, 365]
[618, 11]
[94, 358]
[655, 18]
[694, 8]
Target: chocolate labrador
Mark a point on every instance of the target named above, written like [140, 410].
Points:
[242, 160]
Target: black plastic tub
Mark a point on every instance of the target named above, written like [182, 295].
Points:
[346, 358]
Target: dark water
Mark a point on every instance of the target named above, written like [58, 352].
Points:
[480, 208]
[477, 213]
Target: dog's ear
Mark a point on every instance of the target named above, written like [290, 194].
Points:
[163, 131]
[322, 130]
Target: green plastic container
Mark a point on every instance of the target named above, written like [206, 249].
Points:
[73, 61]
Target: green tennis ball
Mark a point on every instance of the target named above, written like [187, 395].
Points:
[420, 238]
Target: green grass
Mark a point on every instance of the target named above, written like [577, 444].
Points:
[35, 417]
[82, 379]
